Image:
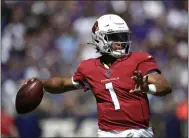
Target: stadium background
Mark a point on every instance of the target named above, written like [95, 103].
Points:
[48, 38]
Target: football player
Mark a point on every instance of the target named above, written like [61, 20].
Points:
[119, 79]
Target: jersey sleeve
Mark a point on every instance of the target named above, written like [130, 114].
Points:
[79, 80]
[148, 65]
[78, 77]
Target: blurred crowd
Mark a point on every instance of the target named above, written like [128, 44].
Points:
[49, 38]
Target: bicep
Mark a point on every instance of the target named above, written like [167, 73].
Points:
[58, 85]
[71, 84]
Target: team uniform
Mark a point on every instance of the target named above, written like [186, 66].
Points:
[120, 113]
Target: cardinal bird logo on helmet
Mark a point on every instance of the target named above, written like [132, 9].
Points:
[95, 27]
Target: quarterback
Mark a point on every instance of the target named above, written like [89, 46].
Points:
[119, 79]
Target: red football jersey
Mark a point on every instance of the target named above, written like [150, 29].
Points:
[117, 108]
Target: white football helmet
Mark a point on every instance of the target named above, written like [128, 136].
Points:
[111, 28]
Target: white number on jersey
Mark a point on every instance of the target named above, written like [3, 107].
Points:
[113, 95]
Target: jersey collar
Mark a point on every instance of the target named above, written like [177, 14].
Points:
[98, 63]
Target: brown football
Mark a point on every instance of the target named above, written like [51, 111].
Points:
[29, 96]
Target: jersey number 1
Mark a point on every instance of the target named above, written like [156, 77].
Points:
[113, 95]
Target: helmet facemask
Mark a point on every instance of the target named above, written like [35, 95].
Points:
[123, 38]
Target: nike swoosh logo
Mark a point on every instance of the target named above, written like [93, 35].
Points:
[106, 25]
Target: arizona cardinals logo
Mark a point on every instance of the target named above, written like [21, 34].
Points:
[95, 27]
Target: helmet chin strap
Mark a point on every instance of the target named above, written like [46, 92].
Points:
[90, 43]
[94, 45]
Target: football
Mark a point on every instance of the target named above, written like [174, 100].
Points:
[29, 96]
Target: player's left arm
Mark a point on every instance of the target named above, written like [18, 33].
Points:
[149, 79]
[153, 83]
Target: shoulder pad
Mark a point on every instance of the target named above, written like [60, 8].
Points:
[142, 56]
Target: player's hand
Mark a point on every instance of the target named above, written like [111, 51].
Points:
[141, 83]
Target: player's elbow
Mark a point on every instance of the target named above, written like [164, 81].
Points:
[168, 89]
[164, 89]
